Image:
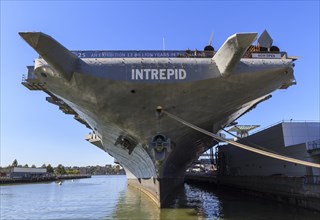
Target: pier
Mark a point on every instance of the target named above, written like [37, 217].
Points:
[9, 180]
[300, 191]
[270, 178]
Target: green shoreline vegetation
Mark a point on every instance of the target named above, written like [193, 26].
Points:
[108, 169]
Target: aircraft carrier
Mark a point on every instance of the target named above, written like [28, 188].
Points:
[122, 95]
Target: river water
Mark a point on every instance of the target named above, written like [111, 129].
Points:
[108, 197]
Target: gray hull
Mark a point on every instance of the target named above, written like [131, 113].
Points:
[119, 105]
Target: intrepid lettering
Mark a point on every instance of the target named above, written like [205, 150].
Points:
[158, 74]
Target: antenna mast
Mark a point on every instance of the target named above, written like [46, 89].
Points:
[163, 44]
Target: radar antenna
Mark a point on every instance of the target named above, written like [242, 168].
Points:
[265, 42]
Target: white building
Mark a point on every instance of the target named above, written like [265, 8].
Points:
[27, 173]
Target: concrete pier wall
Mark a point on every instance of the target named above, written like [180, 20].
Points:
[300, 191]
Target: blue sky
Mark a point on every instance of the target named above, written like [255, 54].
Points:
[36, 132]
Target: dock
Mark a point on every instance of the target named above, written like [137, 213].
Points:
[288, 181]
[300, 191]
[8, 180]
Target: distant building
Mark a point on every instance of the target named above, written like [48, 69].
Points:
[27, 173]
[83, 170]
[300, 140]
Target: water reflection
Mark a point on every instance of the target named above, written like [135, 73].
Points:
[108, 197]
[203, 202]
[133, 204]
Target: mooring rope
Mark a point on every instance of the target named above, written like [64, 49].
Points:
[258, 151]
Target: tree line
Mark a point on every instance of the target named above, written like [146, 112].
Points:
[62, 170]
